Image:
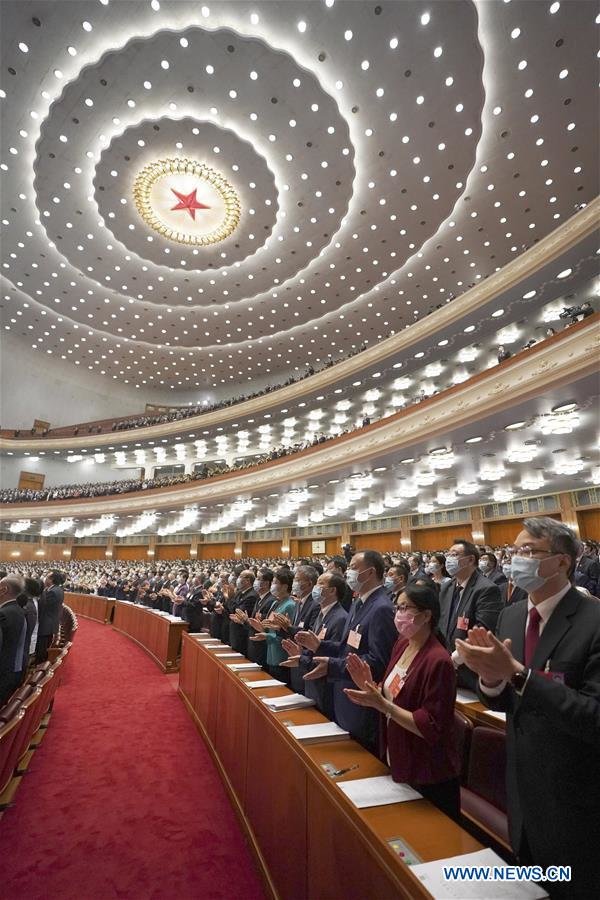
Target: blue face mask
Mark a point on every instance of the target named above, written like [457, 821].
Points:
[256, 586]
[317, 592]
[389, 584]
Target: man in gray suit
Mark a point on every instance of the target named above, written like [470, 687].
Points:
[542, 668]
[468, 599]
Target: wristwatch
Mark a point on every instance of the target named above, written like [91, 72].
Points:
[519, 680]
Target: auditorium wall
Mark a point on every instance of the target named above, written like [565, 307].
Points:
[385, 542]
[31, 552]
[440, 537]
[589, 524]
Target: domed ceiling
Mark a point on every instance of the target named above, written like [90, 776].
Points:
[198, 196]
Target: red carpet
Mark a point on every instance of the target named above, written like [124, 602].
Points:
[122, 799]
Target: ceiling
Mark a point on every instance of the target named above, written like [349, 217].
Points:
[385, 156]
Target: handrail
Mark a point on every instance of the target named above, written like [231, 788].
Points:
[573, 231]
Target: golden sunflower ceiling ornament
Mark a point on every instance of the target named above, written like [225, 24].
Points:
[186, 201]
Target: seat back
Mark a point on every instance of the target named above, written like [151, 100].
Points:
[487, 765]
[46, 685]
[10, 737]
[463, 728]
[9, 710]
[28, 726]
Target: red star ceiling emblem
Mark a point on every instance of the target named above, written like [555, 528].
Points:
[189, 202]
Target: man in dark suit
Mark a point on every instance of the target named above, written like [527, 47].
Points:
[13, 628]
[543, 669]
[468, 599]
[305, 616]
[369, 632]
[244, 601]
[49, 610]
[587, 570]
[417, 570]
[257, 650]
[337, 565]
[192, 607]
[330, 623]
[28, 601]
[488, 566]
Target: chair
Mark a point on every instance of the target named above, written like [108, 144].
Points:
[464, 730]
[9, 710]
[9, 731]
[483, 798]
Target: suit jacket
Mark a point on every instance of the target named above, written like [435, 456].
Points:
[31, 617]
[305, 617]
[192, 610]
[49, 610]
[238, 634]
[257, 650]
[553, 741]
[480, 604]
[13, 627]
[419, 575]
[516, 594]
[333, 622]
[497, 576]
[429, 692]
[374, 621]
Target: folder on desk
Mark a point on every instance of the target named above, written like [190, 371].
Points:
[378, 791]
[241, 667]
[289, 701]
[229, 655]
[265, 683]
[319, 733]
[431, 874]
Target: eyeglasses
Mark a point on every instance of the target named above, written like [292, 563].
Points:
[402, 607]
[530, 552]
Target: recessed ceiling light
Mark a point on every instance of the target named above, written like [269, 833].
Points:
[425, 18]
[473, 440]
[515, 426]
[565, 407]
[498, 312]
[565, 273]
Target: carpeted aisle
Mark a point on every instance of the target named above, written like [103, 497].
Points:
[122, 800]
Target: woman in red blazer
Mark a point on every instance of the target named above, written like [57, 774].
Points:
[416, 699]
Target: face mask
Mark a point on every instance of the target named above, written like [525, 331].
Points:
[296, 589]
[431, 568]
[389, 584]
[452, 565]
[238, 584]
[231, 579]
[525, 573]
[256, 586]
[275, 589]
[317, 592]
[484, 565]
[405, 624]
[352, 579]
[507, 569]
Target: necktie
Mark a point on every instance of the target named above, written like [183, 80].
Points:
[318, 623]
[357, 608]
[453, 608]
[532, 635]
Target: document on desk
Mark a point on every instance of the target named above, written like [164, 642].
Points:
[379, 791]
[200, 636]
[319, 733]
[431, 874]
[242, 667]
[496, 714]
[265, 683]
[289, 701]
[229, 655]
[463, 696]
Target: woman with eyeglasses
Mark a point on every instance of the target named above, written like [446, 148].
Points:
[416, 701]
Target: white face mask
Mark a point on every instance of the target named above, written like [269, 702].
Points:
[484, 565]
[452, 565]
[525, 573]
[352, 578]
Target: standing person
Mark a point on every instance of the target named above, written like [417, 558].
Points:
[245, 601]
[13, 628]
[396, 579]
[488, 566]
[436, 569]
[369, 631]
[416, 701]
[28, 601]
[49, 610]
[256, 651]
[468, 599]
[543, 669]
[267, 629]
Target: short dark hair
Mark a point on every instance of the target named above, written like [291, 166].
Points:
[469, 548]
[425, 597]
[265, 575]
[402, 569]
[284, 576]
[318, 568]
[340, 562]
[491, 557]
[561, 538]
[337, 583]
[33, 587]
[56, 577]
[374, 559]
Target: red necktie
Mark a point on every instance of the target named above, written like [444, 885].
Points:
[532, 635]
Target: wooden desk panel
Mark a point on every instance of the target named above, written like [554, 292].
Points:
[158, 636]
[312, 841]
[90, 606]
[480, 715]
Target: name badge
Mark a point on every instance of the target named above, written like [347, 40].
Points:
[354, 639]
[322, 633]
[397, 682]
[301, 624]
[462, 623]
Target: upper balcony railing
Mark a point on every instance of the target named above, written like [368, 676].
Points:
[566, 237]
[566, 357]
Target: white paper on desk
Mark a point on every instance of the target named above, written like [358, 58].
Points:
[321, 731]
[229, 655]
[463, 696]
[201, 636]
[431, 874]
[267, 682]
[496, 714]
[288, 701]
[379, 791]
[240, 667]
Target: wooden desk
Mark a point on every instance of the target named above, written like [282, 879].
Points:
[90, 606]
[158, 636]
[481, 715]
[311, 841]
